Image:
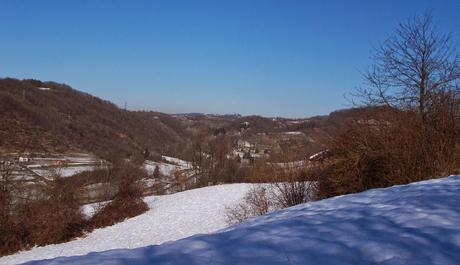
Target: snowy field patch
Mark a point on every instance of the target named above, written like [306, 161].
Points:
[294, 133]
[169, 167]
[412, 224]
[171, 217]
[65, 171]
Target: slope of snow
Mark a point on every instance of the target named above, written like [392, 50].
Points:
[165, 168]
[412, 224]
[66, 171]
[170, 217]
[180, 162]
[173, 164]
[292, 164]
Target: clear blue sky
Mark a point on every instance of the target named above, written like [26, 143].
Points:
[273, 58]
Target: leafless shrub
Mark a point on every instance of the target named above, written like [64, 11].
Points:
[285, 189]
[102, 184]
[55, 217]
[51, 222]
[12, 236]
[295, 188]
[262, 172]
[128, 202]
[256, 202]
[11, 233]
[7, 186]
[396, 149]
[415, 76]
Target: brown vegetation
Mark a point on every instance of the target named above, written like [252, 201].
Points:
[408, 132]
[415, 136]
[62, 119]
[53, 215]
[256, 202]
[126, 203]
[275, 190]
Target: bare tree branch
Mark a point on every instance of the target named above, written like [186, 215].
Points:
[412, 67]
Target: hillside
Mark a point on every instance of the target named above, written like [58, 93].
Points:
[170, 217]
[417, 223]
[54, 118]
[49, 117]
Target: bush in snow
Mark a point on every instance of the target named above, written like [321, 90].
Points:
[294, 188]
[156, 172]
[413, 86]
[287, 188]
[256, 202]
[52, 218]
[11, 232]
[128, 202]
[395, 148]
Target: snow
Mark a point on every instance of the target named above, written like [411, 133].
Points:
[238, 153]
[411, 224]
[294, 133]
[65, 165]
[292, 164]
[173, 164]
[89, 210]
[44, 88]
[170, 217]
[317, 154]
[62, 171]
[165, 168]
[177, 161]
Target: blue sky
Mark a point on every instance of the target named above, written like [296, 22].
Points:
[273, 58]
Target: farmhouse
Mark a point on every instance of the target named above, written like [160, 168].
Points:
[24, 159]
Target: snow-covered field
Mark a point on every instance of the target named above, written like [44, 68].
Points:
[412, 224]
[180, 162]
[49, 165]
[290, 165]
[65, 171]
[294, 133]
[168, 168]
[170, 217]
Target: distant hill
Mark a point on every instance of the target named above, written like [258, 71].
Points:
[50, 117]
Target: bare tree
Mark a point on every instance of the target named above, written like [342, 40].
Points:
[6, 189]
[156, 172]
[413, 68]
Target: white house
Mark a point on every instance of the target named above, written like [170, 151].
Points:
[23, 159]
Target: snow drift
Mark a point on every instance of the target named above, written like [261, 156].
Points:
[412, 224]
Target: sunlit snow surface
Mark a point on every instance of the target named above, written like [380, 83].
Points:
[171, 217]
[412, 224]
